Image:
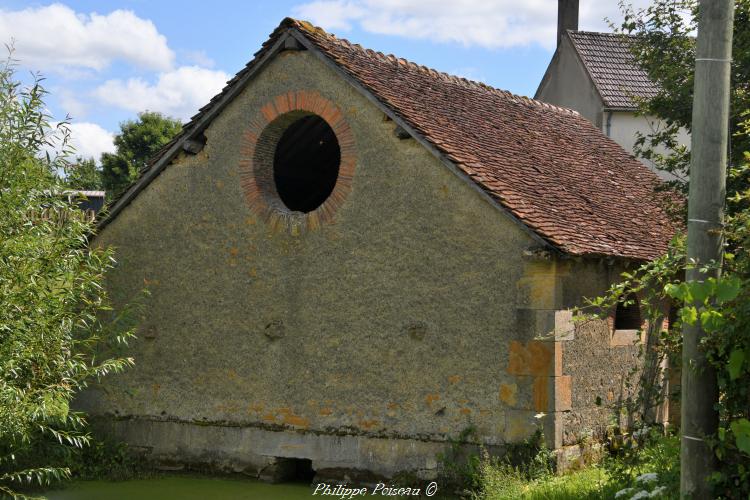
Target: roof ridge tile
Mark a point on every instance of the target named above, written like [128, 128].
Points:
[459, 80]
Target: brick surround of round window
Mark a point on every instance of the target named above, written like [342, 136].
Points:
[256, 166]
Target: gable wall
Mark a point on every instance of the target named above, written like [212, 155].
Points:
[393, 321]
[566, 83]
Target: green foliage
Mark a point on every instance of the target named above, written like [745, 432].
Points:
[528, 460]
[646, 461]
[83, 174]
[56, 322]
[136, 143]
[741, 430]
[106, 460]
[460, 468]
[501, 482]
[722, 307]
[647, 451]
[664, 45]
[736, 361]
[508, 475]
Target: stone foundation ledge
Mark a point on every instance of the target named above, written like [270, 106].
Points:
[266, 454]
[274, 455]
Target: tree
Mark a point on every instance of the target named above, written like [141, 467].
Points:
[57, 330]
[664, 46]
[136, 143]
[84, 174]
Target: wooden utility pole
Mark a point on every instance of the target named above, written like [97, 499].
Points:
[705, 220]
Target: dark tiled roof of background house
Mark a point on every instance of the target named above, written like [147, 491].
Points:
[547, 166]
[612, 67]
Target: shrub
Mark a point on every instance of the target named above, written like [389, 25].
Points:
[57, 330]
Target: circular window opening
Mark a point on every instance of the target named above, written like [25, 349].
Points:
[306, 164]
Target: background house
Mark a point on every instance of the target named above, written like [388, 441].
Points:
[596, 75]
[353, 259]
[91, 202]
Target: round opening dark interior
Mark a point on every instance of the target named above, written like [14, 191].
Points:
[306, 164]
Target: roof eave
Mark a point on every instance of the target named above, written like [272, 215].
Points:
[198, 128]
[631, 109]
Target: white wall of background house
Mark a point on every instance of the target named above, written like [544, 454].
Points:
[624, 125]
[593, 89]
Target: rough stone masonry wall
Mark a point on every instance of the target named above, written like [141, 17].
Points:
[574, 373]
[599, 360]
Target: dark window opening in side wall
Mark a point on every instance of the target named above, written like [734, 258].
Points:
[628, 314]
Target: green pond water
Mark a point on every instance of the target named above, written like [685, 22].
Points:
[181, 488]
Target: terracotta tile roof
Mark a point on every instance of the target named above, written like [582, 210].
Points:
[547, 166]
[613, 69]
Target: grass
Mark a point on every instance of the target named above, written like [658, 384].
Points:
[591, 483]
[643, 466]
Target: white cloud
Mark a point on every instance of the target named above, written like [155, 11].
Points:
[485, 23]
[71, 102]
[91, 140]
[178, 93]
[56, 38]
[198, 58]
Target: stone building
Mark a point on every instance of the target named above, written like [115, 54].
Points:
[596, 74]
[353, 259]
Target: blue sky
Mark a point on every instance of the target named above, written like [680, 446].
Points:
[106, 60]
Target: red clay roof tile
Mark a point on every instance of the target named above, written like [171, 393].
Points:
[608, 59]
